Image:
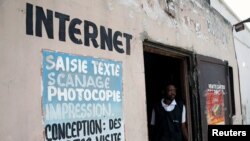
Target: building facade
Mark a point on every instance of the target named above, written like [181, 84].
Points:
[242, 45]
[92, 70]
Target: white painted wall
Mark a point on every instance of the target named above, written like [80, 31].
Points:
[196, 27]
[242, 48]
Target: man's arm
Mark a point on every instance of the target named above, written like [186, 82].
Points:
[183, 125]
[152, 128]
[184, 131]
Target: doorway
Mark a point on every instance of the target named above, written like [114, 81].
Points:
[163, 65]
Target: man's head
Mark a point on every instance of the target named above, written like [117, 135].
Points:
[170, 92]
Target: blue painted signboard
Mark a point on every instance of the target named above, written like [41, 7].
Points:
[81, 98]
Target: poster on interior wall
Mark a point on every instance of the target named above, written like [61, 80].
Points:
[81, 98]
[215, 104]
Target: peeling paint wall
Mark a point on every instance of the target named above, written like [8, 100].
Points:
[193, 18]
[191, 25]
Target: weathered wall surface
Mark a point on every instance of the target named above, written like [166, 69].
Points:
[242, 43]
[243, 51]
[190, 25]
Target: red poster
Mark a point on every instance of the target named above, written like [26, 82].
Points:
[215, 107]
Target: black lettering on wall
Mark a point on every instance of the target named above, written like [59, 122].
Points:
[88, 35]
[73, 129]
[109, 137]
[61, 132]
[54, 132]
[128, 37]
[78, 127]
[73, 30]
[47, 130]
[106, 38]
[62, 24]
[116, 42]
[29, 19]
[40, 20]
[68, 128]
[114, 123]
[119, 137]
[84, 139]
[47, 21]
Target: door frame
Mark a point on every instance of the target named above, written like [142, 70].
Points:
[189, 83]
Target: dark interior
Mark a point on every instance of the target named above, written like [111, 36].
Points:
[159, 71]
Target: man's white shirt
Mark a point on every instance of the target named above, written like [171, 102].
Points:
[169, 108]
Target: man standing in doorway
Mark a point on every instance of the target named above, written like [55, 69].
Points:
[169, 118]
